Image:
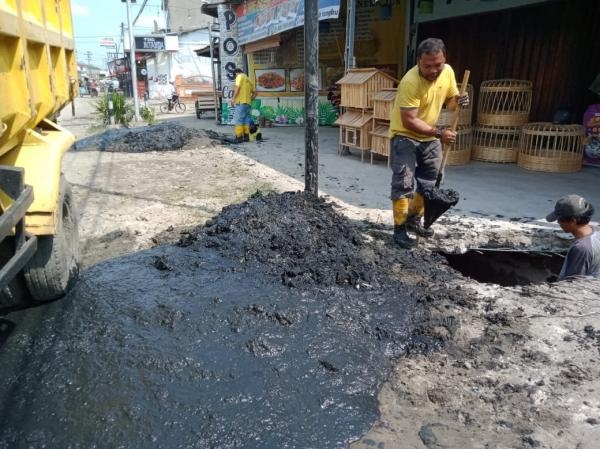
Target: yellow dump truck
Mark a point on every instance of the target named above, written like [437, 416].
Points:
[38, 226]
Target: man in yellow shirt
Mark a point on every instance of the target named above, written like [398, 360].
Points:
[243, 95]
[416, 143]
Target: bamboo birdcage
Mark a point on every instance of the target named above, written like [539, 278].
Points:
[383, 103]
[551, 148]
[496, 143]
[354, 130]
[465, 115]
[504, 102]
[359, 86]
[380, 139]
[460, 151]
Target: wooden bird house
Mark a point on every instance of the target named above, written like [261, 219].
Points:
[354, 130]
[359, 86]
[380, 140]
[383, 102]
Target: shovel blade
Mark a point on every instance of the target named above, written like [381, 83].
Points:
[437, 201]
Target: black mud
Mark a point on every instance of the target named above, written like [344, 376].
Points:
[437, 202]
[274, 327]
[164, 136]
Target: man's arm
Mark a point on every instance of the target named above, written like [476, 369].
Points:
[236, 91]
[415, 124]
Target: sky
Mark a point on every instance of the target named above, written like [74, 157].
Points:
[94, 20]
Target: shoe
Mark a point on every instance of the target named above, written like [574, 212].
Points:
[402, 239]
[246, 137]
[413, 224]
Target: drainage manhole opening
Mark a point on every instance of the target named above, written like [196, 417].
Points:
[507, 267]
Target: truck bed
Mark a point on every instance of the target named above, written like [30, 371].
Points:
[37, 60]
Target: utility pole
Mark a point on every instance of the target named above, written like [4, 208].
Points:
[136, 100]
[311, 96]
[350, 32]
[88, 55]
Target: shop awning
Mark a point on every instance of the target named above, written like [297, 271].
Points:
[263, 44]
[205, 51]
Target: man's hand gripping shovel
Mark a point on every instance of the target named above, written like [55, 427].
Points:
[438, 201]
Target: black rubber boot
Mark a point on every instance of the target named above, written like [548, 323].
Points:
[413, 224]
[402, 239]
[246, 137]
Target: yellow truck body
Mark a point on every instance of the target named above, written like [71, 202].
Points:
[38, 73]
[38, 70]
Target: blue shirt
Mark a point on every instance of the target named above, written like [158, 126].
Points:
[583, 258]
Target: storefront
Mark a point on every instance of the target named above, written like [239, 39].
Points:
[266, 39]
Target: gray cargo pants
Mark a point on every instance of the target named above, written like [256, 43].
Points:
[413, 161]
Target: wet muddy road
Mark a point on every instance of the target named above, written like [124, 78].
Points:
[273, 327]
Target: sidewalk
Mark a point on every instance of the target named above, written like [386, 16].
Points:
[497, 191]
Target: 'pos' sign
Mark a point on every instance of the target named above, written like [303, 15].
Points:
[231, 58]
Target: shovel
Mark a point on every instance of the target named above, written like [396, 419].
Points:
[438, 201]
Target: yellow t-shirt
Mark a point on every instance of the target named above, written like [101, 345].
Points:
[415, 91]
[246, 88]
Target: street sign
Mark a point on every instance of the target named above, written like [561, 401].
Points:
[107, 42]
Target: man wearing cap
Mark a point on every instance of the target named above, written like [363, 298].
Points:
[243, 95]
[573, 214]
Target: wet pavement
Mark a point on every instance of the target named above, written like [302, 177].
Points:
[273, 327]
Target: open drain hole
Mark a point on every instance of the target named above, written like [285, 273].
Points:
[506, 267]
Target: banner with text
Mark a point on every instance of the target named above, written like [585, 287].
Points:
[257, 19]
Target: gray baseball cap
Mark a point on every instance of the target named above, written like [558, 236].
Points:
[569, 206]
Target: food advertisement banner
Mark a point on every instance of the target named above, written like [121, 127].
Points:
[258, 19]
[270, 80]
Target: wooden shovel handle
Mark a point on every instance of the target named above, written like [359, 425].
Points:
[455, 117]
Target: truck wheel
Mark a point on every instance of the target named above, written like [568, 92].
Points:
[54, 268]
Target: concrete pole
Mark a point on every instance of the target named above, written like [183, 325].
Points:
[213, 72]
[136, 100]
[311, 96]
[350, 33]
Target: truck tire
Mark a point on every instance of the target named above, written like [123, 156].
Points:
[54, 268]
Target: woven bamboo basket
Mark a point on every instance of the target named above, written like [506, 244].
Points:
[551, 148]
[496, 143]
[465, 115]
[504, 102]
[460, 151]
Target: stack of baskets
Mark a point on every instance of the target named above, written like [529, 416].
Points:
[503, 108]
[460, 152]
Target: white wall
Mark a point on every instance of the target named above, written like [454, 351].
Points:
[165, 66]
